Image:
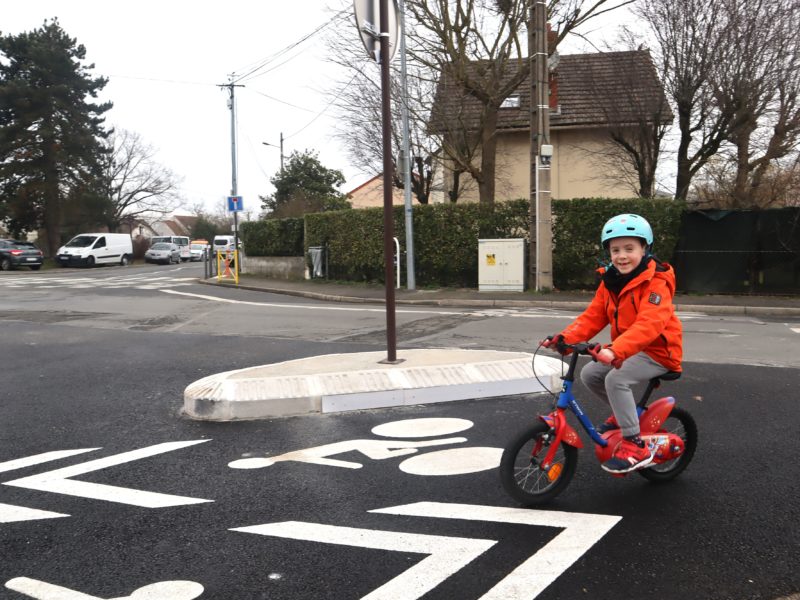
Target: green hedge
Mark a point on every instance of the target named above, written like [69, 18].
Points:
[446, 237]
[445, 240]
[273, 237]
[576, 234]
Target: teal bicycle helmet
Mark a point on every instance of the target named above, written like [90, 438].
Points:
[628, 225]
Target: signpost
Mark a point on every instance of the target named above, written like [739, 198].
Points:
[380, 44]
[235, 206]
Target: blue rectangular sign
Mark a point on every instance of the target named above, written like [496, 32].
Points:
[234, 203]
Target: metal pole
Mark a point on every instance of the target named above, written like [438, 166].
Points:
[411, 283]
[281, 153]
[232, 87]
[544, 234]
[540, 250]
[388, 226]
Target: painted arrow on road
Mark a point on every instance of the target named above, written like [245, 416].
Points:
[447, 555]
[59, 481]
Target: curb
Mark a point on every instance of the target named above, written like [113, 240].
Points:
[711, 309]
[345, 382]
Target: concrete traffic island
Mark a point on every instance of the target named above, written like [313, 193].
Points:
[358, 381]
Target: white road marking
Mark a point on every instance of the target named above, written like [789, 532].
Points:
[59, 482]
[416, 428]
[581, 532]
[499, 312]
[455, 461]
[164, 590]
[37, 459]
[13, 514]
[109, 283]
[304, 306]
[795, 329]
[446, 555]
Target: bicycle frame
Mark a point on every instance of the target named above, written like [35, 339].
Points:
[557, 419]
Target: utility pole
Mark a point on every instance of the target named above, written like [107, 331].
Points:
[540, 254]
[234, 183]
[405, 163]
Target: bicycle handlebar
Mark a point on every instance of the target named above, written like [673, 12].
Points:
[585, 349]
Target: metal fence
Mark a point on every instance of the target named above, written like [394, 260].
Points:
[739, 251]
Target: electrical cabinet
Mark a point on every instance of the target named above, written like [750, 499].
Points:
[501, 265]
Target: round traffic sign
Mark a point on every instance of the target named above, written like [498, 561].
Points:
[368, 23]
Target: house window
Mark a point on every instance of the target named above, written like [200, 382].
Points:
[511, 102]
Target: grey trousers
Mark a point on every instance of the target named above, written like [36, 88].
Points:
[614, 386]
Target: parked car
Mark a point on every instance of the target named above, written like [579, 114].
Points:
[14, 253]
[162, 252]
[198, 249]
[90, 249]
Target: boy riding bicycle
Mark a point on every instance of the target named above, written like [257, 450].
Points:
[635, 298]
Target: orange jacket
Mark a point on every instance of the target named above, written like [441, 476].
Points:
[642, 317]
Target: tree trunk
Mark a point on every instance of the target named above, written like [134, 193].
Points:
[684, 174]
[741, 197]
[486, 184]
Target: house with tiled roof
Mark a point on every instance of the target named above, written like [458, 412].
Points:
[370, 194]
[591, 95]
[174, 225]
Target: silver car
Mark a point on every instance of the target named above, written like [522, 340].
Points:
[198, 251]
[162, 252]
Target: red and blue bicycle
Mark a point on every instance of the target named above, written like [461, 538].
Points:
[540, 461]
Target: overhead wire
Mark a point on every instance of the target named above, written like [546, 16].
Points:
[279, 100]
[327, 106]
[254, 71]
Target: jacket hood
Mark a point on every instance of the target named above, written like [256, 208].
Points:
[667, 273]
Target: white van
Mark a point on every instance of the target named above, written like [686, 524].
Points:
[223, 243]
[90, 249]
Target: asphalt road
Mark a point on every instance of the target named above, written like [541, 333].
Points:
[102, 369]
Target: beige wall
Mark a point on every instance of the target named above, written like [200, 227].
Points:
[579, 167]
[370, 194]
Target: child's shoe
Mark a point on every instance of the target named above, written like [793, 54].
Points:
[629, 455]
[609, 424]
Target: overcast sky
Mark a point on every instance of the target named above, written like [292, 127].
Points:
[166, 59]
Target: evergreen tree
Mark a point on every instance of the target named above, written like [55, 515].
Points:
[50, 131]
[304, 186]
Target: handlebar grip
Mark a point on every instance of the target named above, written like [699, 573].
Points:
[594, 352]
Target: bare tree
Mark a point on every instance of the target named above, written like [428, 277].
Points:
[688, 46]
[477, 46]
[756, 81]
[134, 182]
[474, 48]
[632, 101]
[358, 105]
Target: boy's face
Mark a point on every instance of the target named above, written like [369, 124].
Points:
[626, 253]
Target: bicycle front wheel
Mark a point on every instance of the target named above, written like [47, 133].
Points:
[520, 471]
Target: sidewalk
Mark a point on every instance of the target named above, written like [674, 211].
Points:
[360, 381]
[322, 289]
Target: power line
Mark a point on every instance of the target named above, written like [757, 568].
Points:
[253, 72]
[279, 100]
[335, 98]
[155, 79]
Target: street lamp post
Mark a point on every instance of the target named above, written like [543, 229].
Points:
[281, 148]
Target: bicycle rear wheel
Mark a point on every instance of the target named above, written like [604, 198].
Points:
[520, 471]
[682, 424]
